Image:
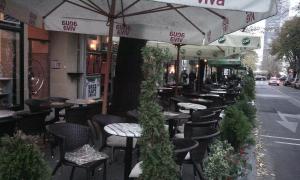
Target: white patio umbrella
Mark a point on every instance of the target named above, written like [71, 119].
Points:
[174, 21]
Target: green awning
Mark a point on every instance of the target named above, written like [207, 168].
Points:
[224, 62]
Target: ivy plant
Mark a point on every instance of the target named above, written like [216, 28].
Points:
[156, 148]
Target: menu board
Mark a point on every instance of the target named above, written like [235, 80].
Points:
[92, 88]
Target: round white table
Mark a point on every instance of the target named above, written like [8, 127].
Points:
[130, 131]
[191, 107]
[218, 92]
[6, 113]
[83, 101]
[209, 95]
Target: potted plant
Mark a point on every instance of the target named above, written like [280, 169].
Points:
[20, 159]
[156, 148]
[235, 127]
[223, 163]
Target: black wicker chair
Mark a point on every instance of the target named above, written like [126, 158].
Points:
[77, 115]
[32, 123]
[106, 140]
[36, 105]
[181, 148]
[71, 137]
[204, 134]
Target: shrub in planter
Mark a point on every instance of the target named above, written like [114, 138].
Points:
[156, 148]
[223, 163]
[248, 110]
[20, 159]
[249, 87]
[235, 127]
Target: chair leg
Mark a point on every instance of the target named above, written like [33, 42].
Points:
[112, 154]
[195, 172]
[88, 174]
[56, 167]
[104, 171]
[72, 173]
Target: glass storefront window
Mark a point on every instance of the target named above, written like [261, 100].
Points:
[11, 83]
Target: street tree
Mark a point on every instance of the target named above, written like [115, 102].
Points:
[249, 59]
[287, 45]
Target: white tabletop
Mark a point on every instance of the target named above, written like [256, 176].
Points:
[211, 95]
[6, 113]
[219, 92]
[191, 106]
[218, 89]
[82, 101]
[124, 129]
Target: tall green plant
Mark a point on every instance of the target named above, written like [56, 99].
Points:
[235, 127]
[20, 160]
[249, 87]
[248, 110]
[156, 149]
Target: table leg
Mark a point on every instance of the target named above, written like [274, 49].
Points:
[171, 128]
[56, 114]
[128, 157]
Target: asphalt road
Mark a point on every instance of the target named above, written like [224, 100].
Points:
[278, 112]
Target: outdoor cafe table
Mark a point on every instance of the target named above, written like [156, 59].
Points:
[218, 89]
[130, 131]
[58, 106]
[7, 122]
[82, 102]
[191, 106]
[173, 119]
[218, 92]
[6, 113]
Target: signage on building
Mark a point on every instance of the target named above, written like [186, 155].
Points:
[222, 39]
[246, 41]
[92, 90]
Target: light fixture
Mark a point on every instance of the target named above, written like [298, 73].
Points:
[93, 45]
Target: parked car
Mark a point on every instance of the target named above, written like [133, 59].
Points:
[293, 83]
[260, 78]
[287, 82]
[274, 81]
[297, 85]
[283, 78]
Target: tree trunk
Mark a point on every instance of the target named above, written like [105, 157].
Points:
[128, 75]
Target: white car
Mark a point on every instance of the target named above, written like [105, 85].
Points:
[274, 81]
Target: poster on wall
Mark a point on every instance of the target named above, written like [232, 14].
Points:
[92, 88]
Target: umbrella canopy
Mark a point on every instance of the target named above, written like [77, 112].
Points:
[173, 21]
[224, 62]
[229, 44]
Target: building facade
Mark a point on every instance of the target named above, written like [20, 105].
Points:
[273, 24]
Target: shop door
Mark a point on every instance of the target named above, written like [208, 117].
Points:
[39, 72]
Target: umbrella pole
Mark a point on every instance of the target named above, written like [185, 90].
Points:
[177, 68]
[109, 57]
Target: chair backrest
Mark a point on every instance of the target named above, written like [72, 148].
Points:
[71, 136]
[218, 101]
[204, 134]
[77, 115]
[105, 119]
[202, 115]
[133, 115]
[36, 105]
[182, 147]
[101, 120]
[57, 99]
[32, 122]
[93, 109]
